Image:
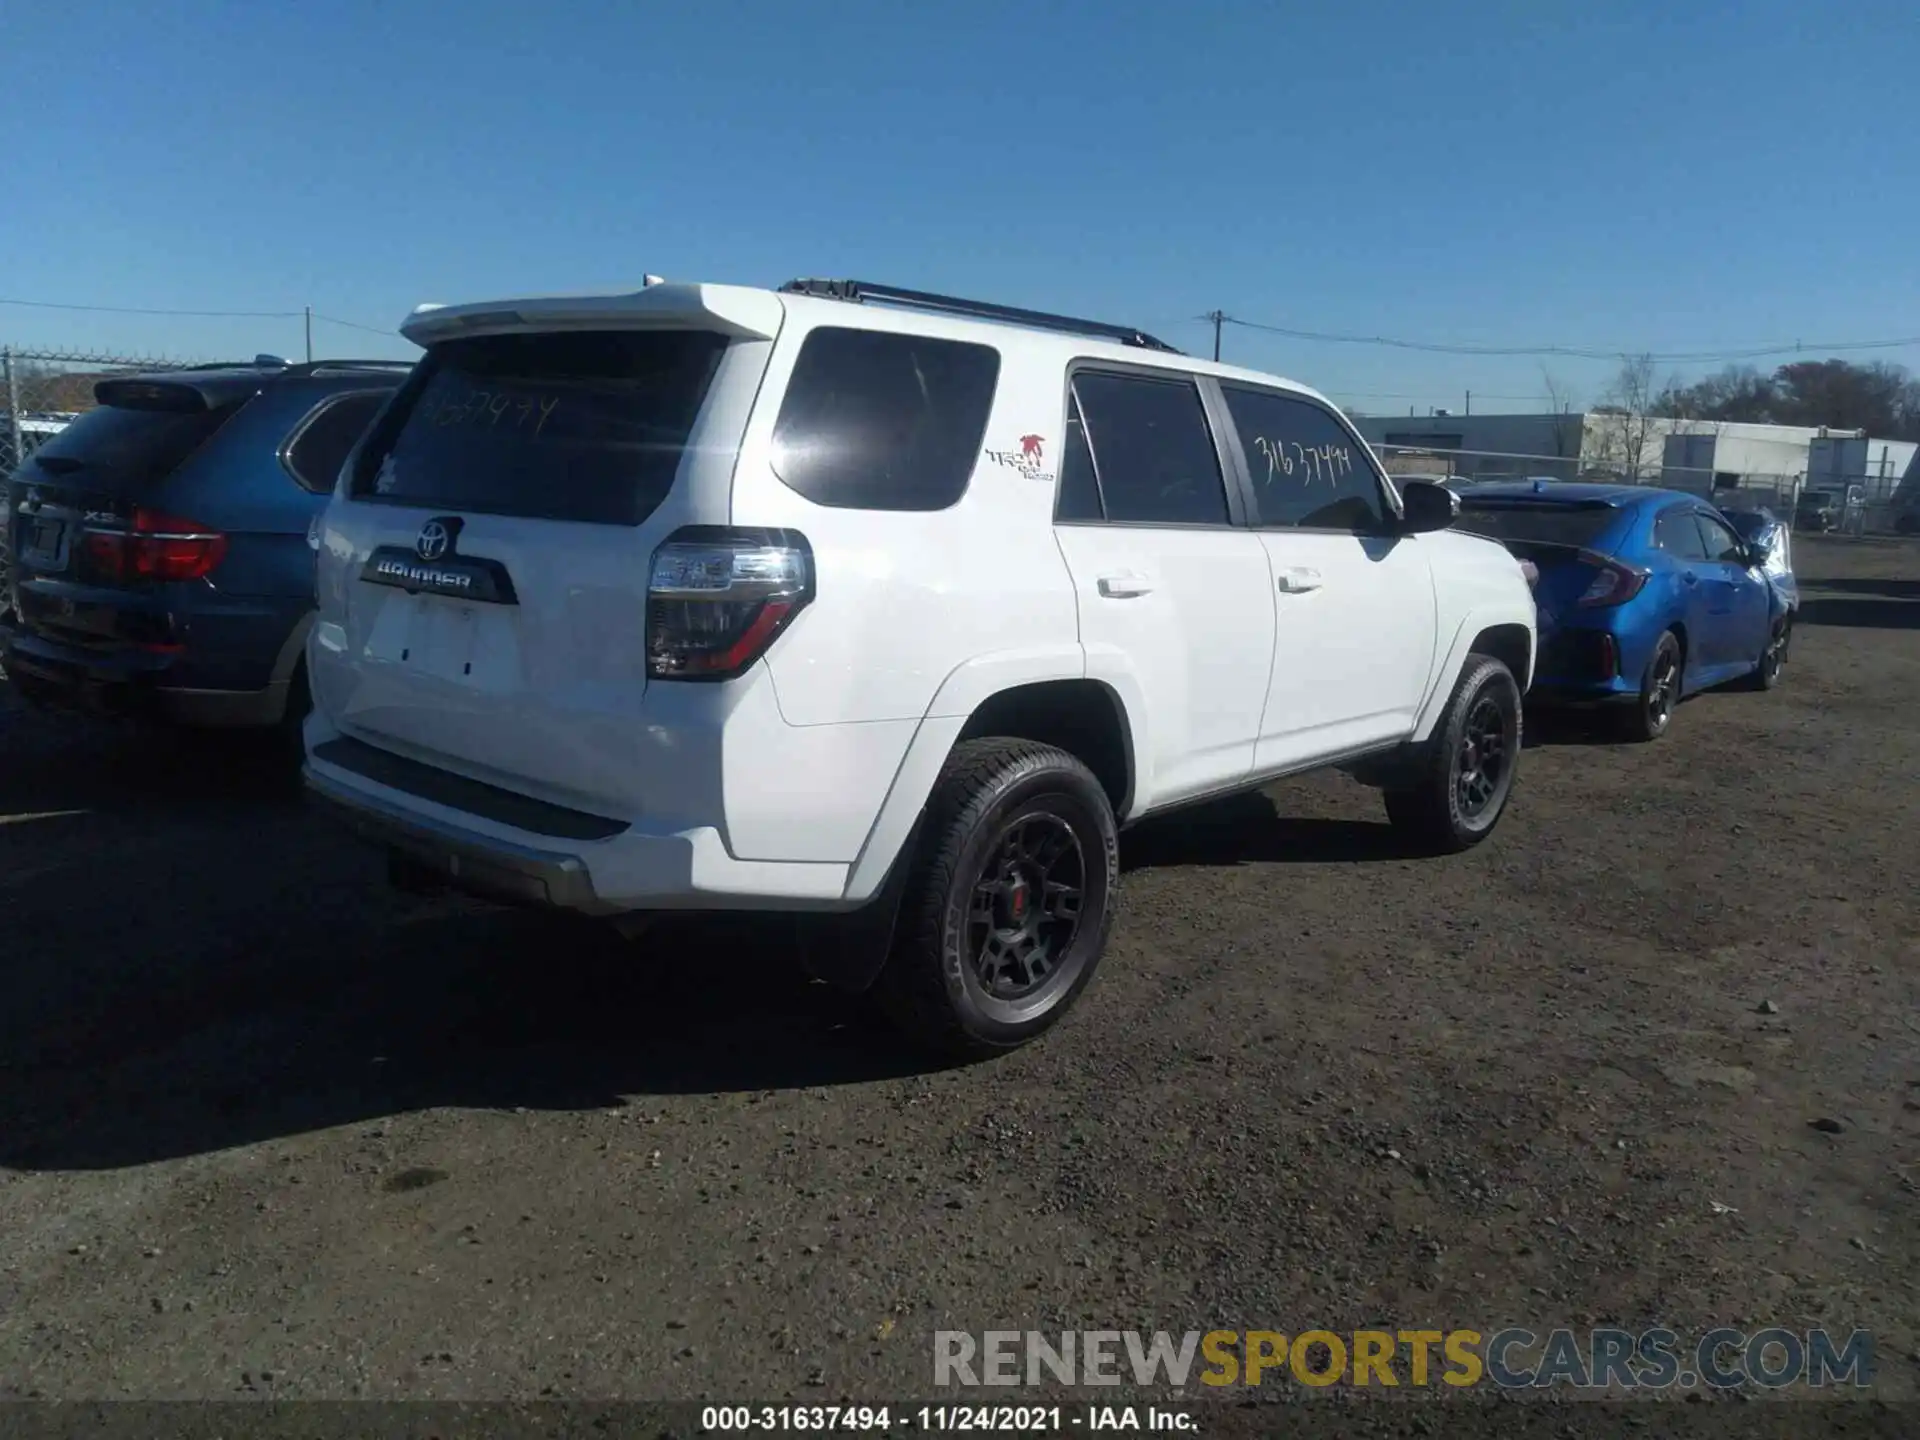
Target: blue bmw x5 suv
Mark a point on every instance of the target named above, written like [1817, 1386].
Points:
[161, 565]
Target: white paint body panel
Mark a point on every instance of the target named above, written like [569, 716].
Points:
[1353, 645]
[1187, 616]
[795, 785]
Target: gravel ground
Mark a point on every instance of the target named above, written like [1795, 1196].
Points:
[269, 1130]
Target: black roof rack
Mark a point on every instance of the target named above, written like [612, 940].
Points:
[859, 290]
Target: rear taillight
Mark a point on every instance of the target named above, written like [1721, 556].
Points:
[718, 596]
[1615, 584]
[152, 546]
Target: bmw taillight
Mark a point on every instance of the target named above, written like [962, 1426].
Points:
[153, 546]
[719, 596]
[1613, 584]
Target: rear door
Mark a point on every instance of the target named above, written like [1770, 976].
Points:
[1739, 603]
[1676, 536]
[483, 587]
[1355, 612]
[1167, 583]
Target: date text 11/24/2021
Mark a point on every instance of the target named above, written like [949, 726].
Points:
[983, 1419]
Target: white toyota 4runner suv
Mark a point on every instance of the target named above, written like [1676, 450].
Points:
[881, 606]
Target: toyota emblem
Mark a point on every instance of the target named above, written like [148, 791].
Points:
[435, 537]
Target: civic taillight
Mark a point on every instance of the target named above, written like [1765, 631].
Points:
[1615, 584]
[719, 595]
[152, 546]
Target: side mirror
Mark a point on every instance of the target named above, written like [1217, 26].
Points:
[1426, 506]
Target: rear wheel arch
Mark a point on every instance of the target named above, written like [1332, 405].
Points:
[1512, 646]
[1678, 629]
[1085, 718]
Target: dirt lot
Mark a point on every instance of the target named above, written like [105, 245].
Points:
[267, 1129]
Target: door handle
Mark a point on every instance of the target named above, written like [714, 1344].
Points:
[1299, 580]
[1690, 577]
[1124, 586]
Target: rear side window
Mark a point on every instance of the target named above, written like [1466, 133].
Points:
[1675, 533]
[321, 441]
[1307, 471]
[1152, 450]
[125, 449]
[879, 421]
[1718, 542]
[586, 426]
[1546, 523]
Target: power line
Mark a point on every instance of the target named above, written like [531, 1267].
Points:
[1572, 351]
[203, 314]
[355, 325]
[136, 310]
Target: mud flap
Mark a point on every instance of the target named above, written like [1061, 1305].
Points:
[848, 950]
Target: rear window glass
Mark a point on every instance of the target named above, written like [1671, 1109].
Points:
[878, 421]
[588, 426]
[1543, 524]
[116, 448]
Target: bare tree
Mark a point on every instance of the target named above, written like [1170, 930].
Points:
[1624, 437]
[1566, 429]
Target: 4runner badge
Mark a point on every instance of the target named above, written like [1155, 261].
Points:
[1026, 460]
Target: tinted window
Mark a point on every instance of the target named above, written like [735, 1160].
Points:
[1152, 450]
[1541, 522]
[588, 426]
[1675, 533]
[1079, 497]
[876, 421]
[1720, 542]
[1307, 471]
[113, 447]
[325, 436]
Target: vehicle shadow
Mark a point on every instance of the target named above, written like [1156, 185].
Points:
[1861, 613]
[194, 960]
[1569, 725]
[469, 1007]
[1247, 829]
[1886, 587]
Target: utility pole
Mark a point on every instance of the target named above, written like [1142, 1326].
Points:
[309, 334]
[1219, 318]
[1469, 409]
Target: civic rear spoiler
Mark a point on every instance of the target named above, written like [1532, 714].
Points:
[735, 310]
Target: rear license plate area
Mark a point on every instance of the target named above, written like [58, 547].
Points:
[43, 543]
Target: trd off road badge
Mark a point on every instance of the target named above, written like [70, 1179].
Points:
[1028, 459]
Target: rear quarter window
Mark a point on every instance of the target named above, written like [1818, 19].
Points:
[318, 445]
[878, 421]
[587, 426]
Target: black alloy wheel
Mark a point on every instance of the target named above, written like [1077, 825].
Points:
[1485, 756]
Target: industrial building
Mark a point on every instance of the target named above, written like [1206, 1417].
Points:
[1701, 456]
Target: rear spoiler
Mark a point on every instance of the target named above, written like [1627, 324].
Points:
[735, 310]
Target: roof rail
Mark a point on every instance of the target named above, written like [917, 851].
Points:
[860, 290]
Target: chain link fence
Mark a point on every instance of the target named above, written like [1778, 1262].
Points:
[46, 389]
[1859, 506]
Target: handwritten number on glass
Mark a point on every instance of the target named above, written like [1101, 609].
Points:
[490, 408]
[1314, 462]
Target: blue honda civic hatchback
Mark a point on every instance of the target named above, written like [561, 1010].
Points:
[1645, 595]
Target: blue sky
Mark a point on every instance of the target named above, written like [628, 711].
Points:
[1630, 176]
